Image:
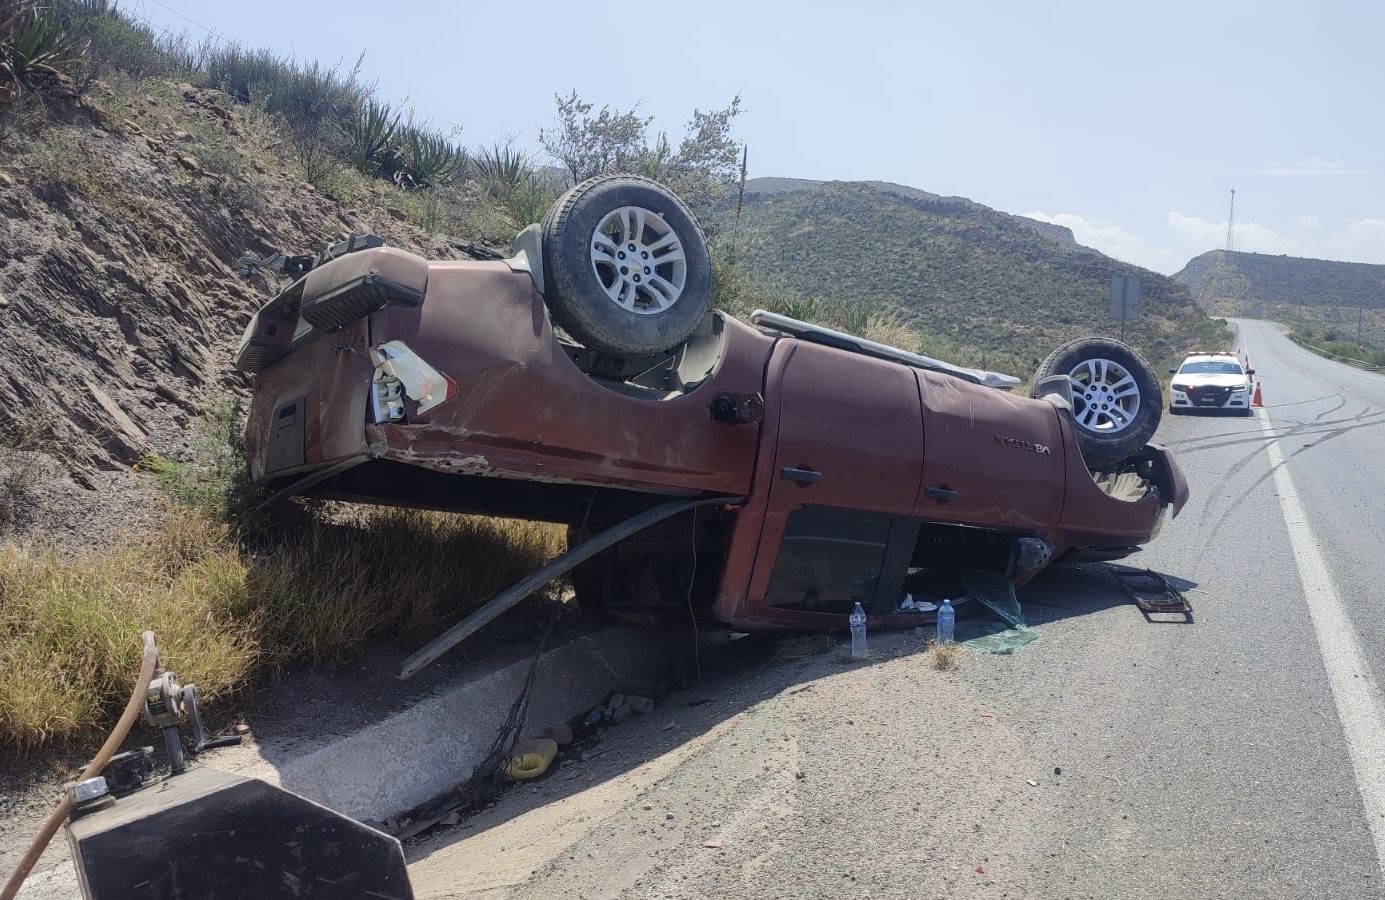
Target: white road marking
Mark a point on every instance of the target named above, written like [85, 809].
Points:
[1353, 688]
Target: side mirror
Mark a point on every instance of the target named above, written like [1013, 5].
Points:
[1250, 371]
[1173, 371]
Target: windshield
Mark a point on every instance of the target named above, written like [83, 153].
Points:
[1209, 367]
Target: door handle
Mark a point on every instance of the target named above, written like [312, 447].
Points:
[801, 476]
[941, 494]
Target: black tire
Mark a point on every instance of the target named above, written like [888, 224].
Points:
[610, 306]
[1117, 402]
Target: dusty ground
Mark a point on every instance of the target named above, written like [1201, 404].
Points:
[729, 782]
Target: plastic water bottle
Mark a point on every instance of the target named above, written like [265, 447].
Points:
[858, 631]
[947, 619]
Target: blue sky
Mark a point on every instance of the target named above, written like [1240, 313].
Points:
[1129, 123]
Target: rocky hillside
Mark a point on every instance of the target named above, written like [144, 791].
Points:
[957, 205]
[119, 297]
[980, 279]
[1263, 286]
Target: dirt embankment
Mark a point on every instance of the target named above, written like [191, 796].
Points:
[120, 302]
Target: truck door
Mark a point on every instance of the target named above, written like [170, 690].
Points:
[846, 472]
[994, 460]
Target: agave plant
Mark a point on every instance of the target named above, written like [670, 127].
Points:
[501, 169]
[430, 159]
[806, 309]
[371, 132]
[34, 43]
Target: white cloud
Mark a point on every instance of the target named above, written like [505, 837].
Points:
[1115, 241]
[1205, 232]
[1367, 229]
[1249, 236]
[1310, 168]
[1354, 240]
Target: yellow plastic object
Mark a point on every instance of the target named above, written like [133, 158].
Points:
[530, 758]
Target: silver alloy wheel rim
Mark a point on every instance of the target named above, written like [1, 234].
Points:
[1106, 398]
[638, 258]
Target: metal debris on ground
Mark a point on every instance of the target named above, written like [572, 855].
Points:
[1154, 594]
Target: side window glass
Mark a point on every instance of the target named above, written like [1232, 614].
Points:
[828, 560]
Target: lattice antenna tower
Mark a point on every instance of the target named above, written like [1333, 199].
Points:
[1231, 223]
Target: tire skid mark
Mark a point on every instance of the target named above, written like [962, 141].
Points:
[1364, 419]
[1185, 443]
[1268, 439]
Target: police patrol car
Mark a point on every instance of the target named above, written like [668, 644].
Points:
[1211, 380]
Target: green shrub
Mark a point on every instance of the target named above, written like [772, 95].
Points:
[736, 291]
[317, 149]
[302, 94]
[507, 178]
[215, 481]
[1213, 333]
[119, 43]
[528, 202]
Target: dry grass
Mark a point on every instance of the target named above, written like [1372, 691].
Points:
[401, 573]
[69, 628]
[893, 333]
[943, 657]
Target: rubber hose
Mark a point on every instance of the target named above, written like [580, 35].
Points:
[98, 762]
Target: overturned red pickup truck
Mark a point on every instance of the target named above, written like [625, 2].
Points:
[761, 474]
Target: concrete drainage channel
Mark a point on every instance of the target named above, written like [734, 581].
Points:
[428, 748]
[377, 767]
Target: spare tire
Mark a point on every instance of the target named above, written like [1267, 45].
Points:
[1116, 398]
[626, 266]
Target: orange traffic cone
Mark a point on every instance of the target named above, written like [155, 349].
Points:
[1255, 401]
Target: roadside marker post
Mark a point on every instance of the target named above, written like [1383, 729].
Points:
[1125, 299]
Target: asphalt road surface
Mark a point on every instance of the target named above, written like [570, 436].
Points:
[1238, 756]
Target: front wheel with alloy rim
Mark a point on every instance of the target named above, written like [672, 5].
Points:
[1116, 399]
[626, 266]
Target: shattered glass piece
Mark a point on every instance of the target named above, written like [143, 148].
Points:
[996, 593]
[1003, 642]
